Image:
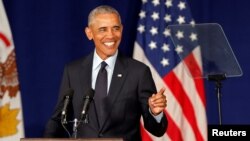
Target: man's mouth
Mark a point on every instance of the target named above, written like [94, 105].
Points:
[109, 44]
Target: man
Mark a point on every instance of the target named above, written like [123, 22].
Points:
[130, 91]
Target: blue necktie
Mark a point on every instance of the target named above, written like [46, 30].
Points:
[101, 86]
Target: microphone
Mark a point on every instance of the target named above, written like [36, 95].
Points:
[68, 95]
[87, 100]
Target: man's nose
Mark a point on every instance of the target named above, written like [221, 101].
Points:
[110, 33]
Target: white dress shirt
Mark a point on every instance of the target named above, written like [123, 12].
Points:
[97, 65]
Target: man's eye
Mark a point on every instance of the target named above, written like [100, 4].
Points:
[102, 29]
[116, 28]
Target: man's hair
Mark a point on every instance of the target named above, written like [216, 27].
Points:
[103, 9]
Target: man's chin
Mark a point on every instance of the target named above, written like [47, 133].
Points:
[111, 53]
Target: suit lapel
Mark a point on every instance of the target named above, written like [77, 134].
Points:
[85, 84]
[118, 78]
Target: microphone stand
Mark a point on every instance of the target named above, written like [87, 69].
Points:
[218, 85]
[75, 125]
[84, 116]
[84, 119]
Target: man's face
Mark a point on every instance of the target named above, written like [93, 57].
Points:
[106, 32]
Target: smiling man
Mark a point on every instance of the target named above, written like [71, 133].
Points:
[106, 31]
[124, 89]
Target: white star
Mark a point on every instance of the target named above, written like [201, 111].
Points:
[179, 34]
[142, 14]
[164, 62]
[144, 1]
[181, 5]
[192, 23]
[179, 49]
[156, 2]
[167, 18]
[168, 3]
[181, 19]
[155, 16]
[154, 30]
[193, 36]
[166, 32]
[141, 28]
[165, 47]
[152, 45]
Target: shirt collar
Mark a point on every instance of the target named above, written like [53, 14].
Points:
[110, 60]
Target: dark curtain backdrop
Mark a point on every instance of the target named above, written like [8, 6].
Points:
[49, 33]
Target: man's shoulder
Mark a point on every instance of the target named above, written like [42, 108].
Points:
[76, 62]
[80, 61]
[131, 62]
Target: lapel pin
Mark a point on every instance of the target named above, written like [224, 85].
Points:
[119, 75]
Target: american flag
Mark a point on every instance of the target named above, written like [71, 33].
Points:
[186, 96]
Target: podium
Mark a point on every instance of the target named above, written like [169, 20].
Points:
[71, 139]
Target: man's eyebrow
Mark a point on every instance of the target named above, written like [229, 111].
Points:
[103, 27]
[117, 26]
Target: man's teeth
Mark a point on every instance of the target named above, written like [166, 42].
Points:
[109, 43]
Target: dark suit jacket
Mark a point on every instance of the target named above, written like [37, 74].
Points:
[127, 100]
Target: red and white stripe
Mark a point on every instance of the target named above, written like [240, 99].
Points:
[186, 109]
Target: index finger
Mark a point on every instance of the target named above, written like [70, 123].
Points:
[162, 90]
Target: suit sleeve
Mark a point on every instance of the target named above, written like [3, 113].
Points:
[146, 89]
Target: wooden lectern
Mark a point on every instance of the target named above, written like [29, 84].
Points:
[70, 139]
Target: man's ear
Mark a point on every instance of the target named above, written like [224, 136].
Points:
[88, 33]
